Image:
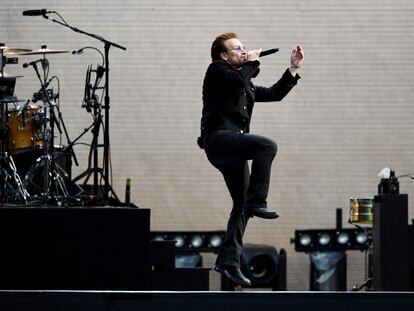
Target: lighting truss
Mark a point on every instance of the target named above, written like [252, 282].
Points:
[332, 239]
[200, 241]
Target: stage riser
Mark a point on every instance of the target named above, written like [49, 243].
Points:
[74, 248]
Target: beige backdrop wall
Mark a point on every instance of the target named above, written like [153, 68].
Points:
[351, 114]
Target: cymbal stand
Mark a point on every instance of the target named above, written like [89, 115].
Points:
[60, 124]
[51, 176]
[107, 46]
[12, 188]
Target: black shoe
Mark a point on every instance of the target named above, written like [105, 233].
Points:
[261, 212]
[233, 273]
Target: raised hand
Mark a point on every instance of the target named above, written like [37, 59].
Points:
[297, 57]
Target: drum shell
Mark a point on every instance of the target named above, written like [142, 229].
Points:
[24, 130]
[360, 211]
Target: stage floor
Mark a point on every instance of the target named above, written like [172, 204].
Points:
[20, 300]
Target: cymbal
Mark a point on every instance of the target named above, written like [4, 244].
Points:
[44, 51]
[5, 75]
[9, 51]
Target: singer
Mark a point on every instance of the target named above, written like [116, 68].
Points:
[228, 100]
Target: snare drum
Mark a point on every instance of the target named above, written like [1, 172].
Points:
[24, 129]
[360, 211]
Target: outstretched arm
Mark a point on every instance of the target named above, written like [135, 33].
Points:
[288, 80]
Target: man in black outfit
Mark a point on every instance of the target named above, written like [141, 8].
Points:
[228, 100]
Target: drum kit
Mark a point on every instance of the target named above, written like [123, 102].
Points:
[27, 127]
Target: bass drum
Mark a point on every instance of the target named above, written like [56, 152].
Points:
[25, 129]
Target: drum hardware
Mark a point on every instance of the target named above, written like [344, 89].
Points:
[10, 60]
[52, 176]
[106, 144]
[56, 190]
[7, 61]
[40, 96]
[7, 86]
[4, 51]
[11, 185]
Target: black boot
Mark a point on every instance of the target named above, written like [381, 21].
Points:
[233, 273]
[261, 212]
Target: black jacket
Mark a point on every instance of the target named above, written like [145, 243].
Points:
[229, 95]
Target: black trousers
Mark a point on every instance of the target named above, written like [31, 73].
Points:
[229, 152]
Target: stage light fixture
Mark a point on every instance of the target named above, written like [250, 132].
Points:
[196, 241]
[305, 239]
[361, 237]
[179, 241]
[331, 239]
[324, 238]
[158, 238]
[200, 241]
[342, 238]
[215, 241]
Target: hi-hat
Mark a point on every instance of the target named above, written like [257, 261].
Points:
[10, 51]
[44, 51]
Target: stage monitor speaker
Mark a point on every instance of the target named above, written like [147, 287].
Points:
[390, 243]
[263, 266]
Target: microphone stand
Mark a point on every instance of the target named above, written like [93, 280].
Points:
[107, 46]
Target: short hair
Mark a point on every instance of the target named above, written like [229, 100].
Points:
[218, 46]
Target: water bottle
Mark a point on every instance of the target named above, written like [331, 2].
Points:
[128, 192]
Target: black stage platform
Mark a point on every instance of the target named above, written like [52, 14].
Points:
[46, 251]
[200, 301]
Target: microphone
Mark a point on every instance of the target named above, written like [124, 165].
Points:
[25, 65]
[23, 108]
[36, 12]
[100, 72]
[268, 52]
[80, 51]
